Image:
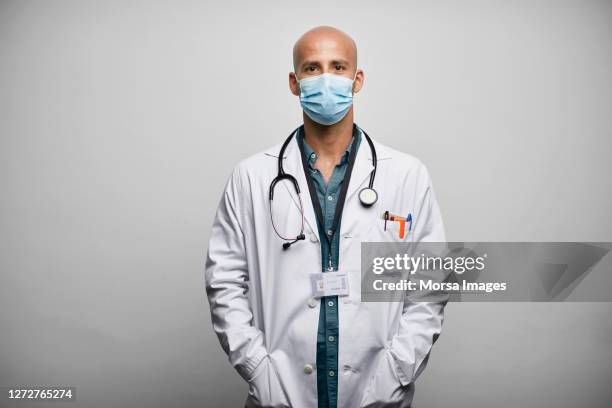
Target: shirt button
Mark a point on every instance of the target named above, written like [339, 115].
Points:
[331, 373]
[312, 302]
[330, 197]
[308, 369]
[331, 338]
[330, 303]
[330, 232]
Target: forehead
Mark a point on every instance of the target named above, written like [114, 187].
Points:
[324, 47]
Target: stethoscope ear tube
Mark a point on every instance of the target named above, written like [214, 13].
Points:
[281, 171]
[374, 162]
[301, 235]
[280, 177]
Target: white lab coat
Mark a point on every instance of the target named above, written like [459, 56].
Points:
[260, 295]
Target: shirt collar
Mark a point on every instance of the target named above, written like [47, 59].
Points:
[310, 154]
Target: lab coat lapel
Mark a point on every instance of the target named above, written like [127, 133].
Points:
[361, 170]
[355, 215]
[292, 163]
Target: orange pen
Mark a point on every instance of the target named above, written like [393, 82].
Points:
[387, 216]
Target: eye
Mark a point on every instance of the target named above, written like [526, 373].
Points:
[311, 68]
[339, 67]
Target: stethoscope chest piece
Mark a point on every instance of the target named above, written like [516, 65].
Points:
[368, 196]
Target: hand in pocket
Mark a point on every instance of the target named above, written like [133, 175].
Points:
[265, 389]
[384, 388]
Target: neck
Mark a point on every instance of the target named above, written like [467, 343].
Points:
[329, 142]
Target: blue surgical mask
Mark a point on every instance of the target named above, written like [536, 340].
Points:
[326, 98]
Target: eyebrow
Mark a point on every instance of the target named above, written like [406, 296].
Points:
[318, 64]
[309, 63]
[340, 61]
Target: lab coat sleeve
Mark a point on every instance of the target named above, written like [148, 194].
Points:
[226, 277]
[421, 322]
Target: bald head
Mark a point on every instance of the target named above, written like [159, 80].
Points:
[325, 50]
[324, 43]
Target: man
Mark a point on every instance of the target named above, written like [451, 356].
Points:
[294, 348]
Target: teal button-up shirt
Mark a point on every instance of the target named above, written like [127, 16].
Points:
[328, 330]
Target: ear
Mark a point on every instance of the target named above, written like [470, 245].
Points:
[359, 78]
[293, 84]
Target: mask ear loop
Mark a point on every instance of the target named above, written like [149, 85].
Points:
[354, 79]
[299, 85]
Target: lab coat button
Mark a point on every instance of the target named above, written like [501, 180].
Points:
[308, 369]
[312, 302]
[313, 237]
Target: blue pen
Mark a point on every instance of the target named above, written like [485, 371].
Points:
[409, 219]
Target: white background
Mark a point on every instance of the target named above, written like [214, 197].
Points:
[121, 121]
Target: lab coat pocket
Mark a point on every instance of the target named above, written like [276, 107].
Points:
[384, 388]
[391, 231]
[265, 389]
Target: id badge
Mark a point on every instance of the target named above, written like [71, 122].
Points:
[329, 284]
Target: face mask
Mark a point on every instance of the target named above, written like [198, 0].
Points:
[326, 98]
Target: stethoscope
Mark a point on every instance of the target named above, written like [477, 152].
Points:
[367, 195]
